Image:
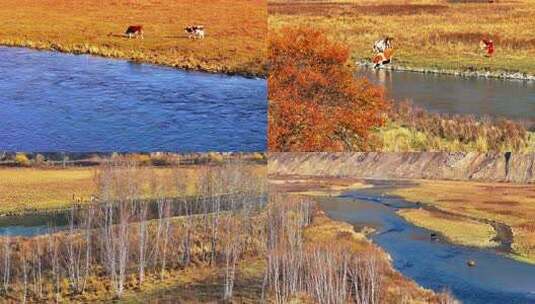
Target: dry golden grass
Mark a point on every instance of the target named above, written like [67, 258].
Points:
[26, 188]
[30, 189]
[197, 283]
[397, 138]
[203, 284]
[453, 228]
[428, 33]
[510, 204]
[234, 43]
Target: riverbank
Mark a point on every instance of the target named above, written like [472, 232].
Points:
[448, 42]
[454, 134]
[324, 230]
[31, 190]
[467, 213]
[460, 166]
[454, 229]
[325, 233]
[234, 44]
[476, 204]
[459, 73]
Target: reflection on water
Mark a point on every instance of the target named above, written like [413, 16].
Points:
[432, 264]
[59, 102]
[450, 94]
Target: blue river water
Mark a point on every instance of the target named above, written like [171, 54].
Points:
[513, 99]
[432, 264]
[51, 101]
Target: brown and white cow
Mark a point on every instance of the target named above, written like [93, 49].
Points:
[383, 58]
[195, 31]
[134, 31]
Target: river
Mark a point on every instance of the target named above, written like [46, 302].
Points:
[437, 265]
[514, 99]
[52, 101]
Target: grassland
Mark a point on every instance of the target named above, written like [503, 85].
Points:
[25, 188]
[41, 189]
[234, 43]
[509, 204]
[453, 228]
[398, 137]
[202, 285]
[463, 212]
[430, 34]
[410, 128]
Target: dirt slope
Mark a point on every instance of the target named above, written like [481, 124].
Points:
[494, 167]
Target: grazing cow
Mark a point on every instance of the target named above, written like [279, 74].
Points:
[383, 58]
[134, 31]
[195, 31]
[382, 44]
[487, 45]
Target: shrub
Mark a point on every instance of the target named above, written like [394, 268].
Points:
[141, 159]
[486, 134]
[22, 160]
[215, 157]
[316, 104]
[40, 159]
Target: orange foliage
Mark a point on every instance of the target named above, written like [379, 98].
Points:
[316, 104]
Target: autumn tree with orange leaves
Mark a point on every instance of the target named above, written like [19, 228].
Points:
[316, 103]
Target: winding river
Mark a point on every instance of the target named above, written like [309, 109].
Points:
[437, 265]
[514, 99]
[52, 101]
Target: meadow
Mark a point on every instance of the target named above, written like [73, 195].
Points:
[122, 247]
[29, 189]
[463, 212]
[431, 34]
[33, 189]
[238, 251]
[234, 43]
[332, 248]
[30, 185]
[453, 228]
[317, 104]
[509, 204]
[410, 128]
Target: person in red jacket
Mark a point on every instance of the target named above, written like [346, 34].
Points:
[488, 45]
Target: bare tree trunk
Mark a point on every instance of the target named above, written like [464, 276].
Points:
[123, 244]
[186, 243]
[88, 245]
[166, 210]
[24, 278]
[54, 261]
[38, 268]
[6, 272]
[74, 252]
[143, 208]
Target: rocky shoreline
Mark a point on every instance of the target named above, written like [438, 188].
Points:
[466, 74]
